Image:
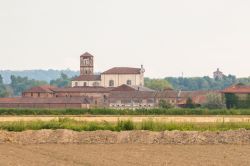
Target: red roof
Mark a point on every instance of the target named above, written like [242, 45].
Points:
[53, 100]
[86, 54]
[83, 89]
[123, 88]
[88, 78]
[237, 89]
[116, 95]
[123, 70]
[41, 89]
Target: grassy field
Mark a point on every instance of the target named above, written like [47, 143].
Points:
[65, 123]
[180, 111]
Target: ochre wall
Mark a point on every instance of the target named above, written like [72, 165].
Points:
[120, 79]
[88, 83]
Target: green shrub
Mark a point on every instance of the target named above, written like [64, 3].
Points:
[121, 125]
[160, 111]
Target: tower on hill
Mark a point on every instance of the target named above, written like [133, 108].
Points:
[86, 64]
[218, 75]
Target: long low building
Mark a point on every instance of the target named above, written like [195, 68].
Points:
[53, 102]
[124, 96]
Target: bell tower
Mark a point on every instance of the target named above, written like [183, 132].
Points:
[86, 64]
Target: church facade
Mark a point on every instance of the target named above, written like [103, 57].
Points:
[113, 77]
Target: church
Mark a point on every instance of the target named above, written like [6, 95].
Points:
[113, 77]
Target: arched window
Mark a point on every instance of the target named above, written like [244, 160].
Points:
[111, 83]
[129, 82]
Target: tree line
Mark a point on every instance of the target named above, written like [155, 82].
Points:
[19, 84]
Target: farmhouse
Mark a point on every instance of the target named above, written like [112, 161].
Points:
[241, 90]
[237, 96]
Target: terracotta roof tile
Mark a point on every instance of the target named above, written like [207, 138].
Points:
[131, 94]
[123, 70]
[41, 89]
[54, 100]
[237, 89]
[86, 54]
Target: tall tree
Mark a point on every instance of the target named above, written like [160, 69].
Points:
[232, 100]
[20, 84]
[157, 84]
[3, 90]
[63, 81]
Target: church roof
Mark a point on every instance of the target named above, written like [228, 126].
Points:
[88, 78]
[123, 70]
[86, 54]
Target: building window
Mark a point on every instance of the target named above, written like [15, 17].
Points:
[86, 62]
[31, 94]
[129, 82]
[111, 83]
[76, 83]
[85, 84]
[95, 84]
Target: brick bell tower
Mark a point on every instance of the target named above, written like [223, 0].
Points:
[86, 64]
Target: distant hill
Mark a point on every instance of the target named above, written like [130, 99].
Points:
[43, 75]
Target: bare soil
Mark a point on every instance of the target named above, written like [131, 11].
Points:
[133, 118]
[124, 155]
[238, 137]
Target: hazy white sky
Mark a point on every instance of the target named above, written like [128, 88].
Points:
[167, 36]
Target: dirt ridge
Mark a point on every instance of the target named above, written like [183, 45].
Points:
[241, 136]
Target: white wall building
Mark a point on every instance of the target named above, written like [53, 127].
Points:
[111, 78]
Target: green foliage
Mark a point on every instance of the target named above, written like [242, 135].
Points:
[20, 84]
[66, 123]
[1, 79]
[190, 103]
[165, 104]
[3, 89]
[172, 111]
[124, 125]
[201, 83]
[231, 100]
[214, 101]
[42, 75]
[157, 84]
[63, 81]
[244, 102]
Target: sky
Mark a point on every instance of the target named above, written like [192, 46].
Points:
[169, 37]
